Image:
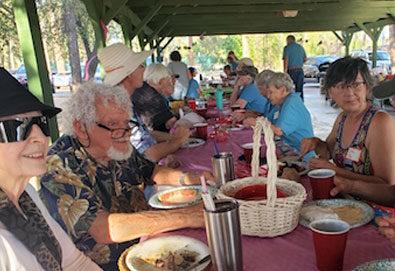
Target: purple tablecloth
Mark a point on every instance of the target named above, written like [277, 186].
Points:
[295, 250]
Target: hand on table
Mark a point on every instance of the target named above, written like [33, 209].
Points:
[387, 227]
[182, 133]
[194, 177]
[308, 144]
[342, 185]
[194, 216]
[249, 122]
[238, 116]
[321, 163]
[290, 174]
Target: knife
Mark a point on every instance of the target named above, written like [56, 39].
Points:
[198, 263]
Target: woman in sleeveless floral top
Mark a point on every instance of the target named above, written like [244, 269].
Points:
[362, 141]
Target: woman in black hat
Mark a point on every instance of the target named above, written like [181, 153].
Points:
[29, 238]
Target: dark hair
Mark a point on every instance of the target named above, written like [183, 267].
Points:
[227, 67]
[346, 70]
[291, 37]
[175, 56]
[192, 69]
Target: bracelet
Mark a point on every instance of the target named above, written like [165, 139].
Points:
[181, 180]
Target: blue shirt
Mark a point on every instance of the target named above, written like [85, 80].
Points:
[295, 55]
[255, 101]
[141, 138]
[272, 112]
[295, 122]
[193, 87]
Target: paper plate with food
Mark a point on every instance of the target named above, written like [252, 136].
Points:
[294, 162]
[193, 142]
[356, 213]
[178, 197]
[382, 265]
[168, 253]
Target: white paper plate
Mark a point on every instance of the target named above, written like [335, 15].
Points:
[368, 212]
[156, 203]
[193, 142]
[164, 244]
[382, 265]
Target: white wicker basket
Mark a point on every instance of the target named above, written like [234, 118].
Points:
[274, 216]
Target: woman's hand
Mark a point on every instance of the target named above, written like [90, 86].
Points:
[249, 122]
[342, 185]
[321, 163]
[387, 227]
[308, 144]
[193, 177]
[238, 116]
[276, 130]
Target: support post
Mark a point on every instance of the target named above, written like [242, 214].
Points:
[29, 34]
[374, 34]
[347, 37]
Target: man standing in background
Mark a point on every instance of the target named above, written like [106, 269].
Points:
[294, 56]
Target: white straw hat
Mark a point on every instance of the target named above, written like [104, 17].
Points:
[119, 61]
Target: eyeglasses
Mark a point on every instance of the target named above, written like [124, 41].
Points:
[118, 132]
[355, 85]
[18, 129]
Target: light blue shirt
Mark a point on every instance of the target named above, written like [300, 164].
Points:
[272, 112]
[255, 101]
[295, 55]
[295, 122]
[193, 87]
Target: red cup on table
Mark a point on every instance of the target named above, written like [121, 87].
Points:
[247, 151]
[201, 130]
[321, 181]
[192, 104]
[330, 238]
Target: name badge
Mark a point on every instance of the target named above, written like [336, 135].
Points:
[276, 115]
[353, 154]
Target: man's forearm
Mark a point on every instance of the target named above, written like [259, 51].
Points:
[161, 150]
[160, 136]
[120, 227]
[285, 63]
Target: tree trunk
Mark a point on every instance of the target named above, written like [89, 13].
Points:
[392, 44]
[246, 48]
[70, 23]
[90, 54]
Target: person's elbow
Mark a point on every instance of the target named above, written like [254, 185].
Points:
[100, 229]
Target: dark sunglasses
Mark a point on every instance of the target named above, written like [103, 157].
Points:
[18, 129]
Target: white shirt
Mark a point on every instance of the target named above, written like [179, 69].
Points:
[14, 256]
[180, 68]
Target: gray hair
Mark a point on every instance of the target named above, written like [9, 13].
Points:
[81, 106]
[263, 78]
[280, 79]
[155, 72]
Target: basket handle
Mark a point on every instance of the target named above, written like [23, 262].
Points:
[263, 125]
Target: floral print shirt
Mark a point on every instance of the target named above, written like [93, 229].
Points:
[76, 187]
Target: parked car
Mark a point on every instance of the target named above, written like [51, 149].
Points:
[60, 80]
[311, 67]
[383, 59]
[21, 75]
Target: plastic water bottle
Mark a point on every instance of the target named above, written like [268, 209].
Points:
[219, 98]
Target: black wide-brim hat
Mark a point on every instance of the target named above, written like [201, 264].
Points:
[16, 99]
[384, 90]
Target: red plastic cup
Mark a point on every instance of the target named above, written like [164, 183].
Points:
[192, 104]
[201, 130]
[321, 181]
[330, 238]
[247, 151]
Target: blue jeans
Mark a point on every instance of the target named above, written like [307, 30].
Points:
[297, 76]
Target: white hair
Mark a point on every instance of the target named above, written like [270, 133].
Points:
[155, 72]
[264, 77]
[81, 106]
[280, 79]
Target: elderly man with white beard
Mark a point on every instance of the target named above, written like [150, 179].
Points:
[93, 184]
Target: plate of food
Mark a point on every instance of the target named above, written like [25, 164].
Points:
[301, 167]
[168, 253]
[178, 197]
[356, 213]
[193, 142]
[236, 127]
[382, 265]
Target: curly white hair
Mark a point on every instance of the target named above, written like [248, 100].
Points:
[280, 79]
[81, 105]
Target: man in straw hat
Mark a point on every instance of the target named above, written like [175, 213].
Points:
[124, 68]
[95, 177]
[379, 193]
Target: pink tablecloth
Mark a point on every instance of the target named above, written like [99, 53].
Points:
[295, 250]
